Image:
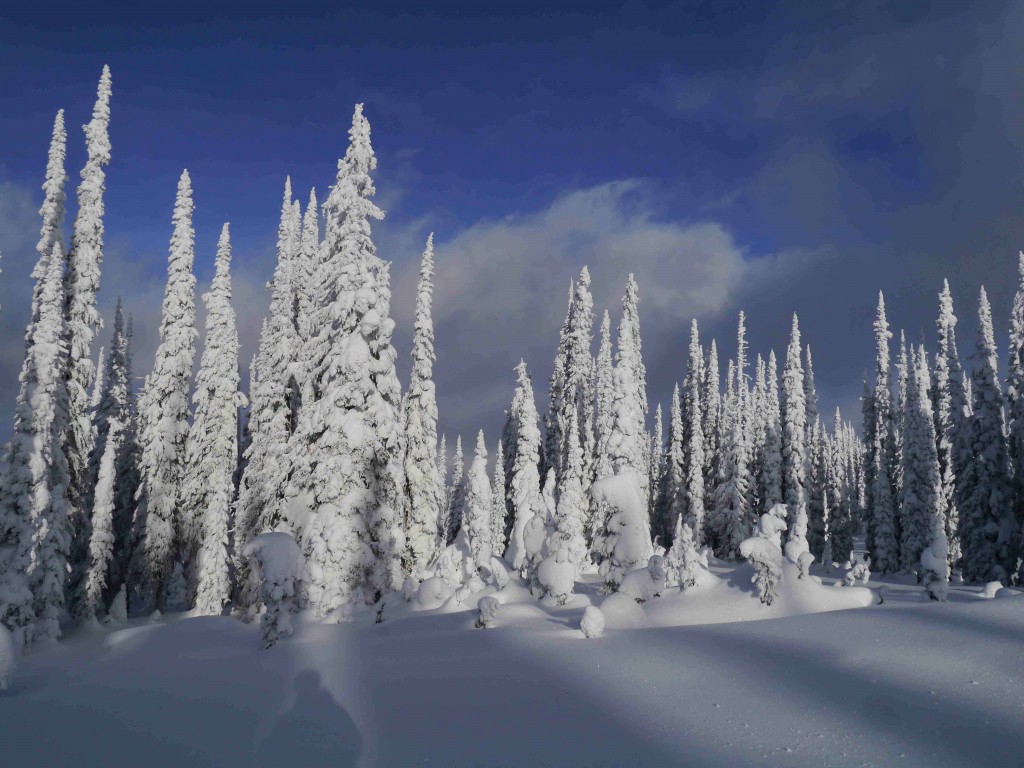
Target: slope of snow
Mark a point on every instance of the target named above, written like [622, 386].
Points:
[909, 682]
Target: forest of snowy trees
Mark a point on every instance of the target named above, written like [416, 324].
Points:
[116, 502]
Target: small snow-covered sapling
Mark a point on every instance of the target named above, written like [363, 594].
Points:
[592, 623]
[488, 608]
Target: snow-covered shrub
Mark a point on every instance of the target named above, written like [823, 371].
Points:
[772, 524]
[766, 559]
[687, 565]
[118, 611]
[176, 597]
[858, 572]
[935, 566]
[556, 575]
[433, 592]
[592, 623]
[803, 563]
[627, 537]
[647, 583]
[282, 571]
[8, 657]
[488, 608]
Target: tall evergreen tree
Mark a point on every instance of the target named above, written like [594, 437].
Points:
[711, 400]
[353, 431]
[1015, 419]
[526, 499]
[34, 523]
[52, 212]
[422, 485]
[499, 513]
[556, 391]
[207, 491]
[794, 451]
[82, 282]
[271, 419]
[810, 390]
[881, 490]
[692, 412]
[164, 415]
[101, 540]
[949, 417]
[126, 466]
[921, 500]
[479, 506]
[984, 490]
[456, 495]
[626, 443]
[729, 522]
[672, 494]
[771, 463]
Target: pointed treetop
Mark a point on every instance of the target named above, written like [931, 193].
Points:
[96, 131]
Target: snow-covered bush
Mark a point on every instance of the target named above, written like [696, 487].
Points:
[766, 559]
[647, 583]
[990, 589]
[118, 611]
[935, 566]
[282, 571]
[556, 575]
[488, 608]
[592, 623]
[686, 565]
[627, 537]
[176, 597]
[858, 572]
[8, 658]
[803, 564]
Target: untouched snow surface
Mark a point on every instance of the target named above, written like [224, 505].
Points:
[908, 683]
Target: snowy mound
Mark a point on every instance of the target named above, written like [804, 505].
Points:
[735, 598]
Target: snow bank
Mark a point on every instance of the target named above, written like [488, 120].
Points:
[623, 612]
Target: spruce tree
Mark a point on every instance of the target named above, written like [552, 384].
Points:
[810, 390]
[671, 500]
[626, 443]
[712, 402]
[883, 545]
[556, 391]
[1015, 419]
[479, 506]
[126, 468]
[949, 417]
[499, 510]
[82, 281]
[52, 212]
[456, 495]
[729, 522]
[211, 451]
[423, 489]
[794, 452]
[692, 412]
[984, 501]
[571, 508]
[921, 500]
[260, 507]
[164, 415]
[34, 521]
[771, 462]
[101, 539]
[353, 431]
[526, 500]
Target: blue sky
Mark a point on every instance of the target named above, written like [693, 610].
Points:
[757, 156]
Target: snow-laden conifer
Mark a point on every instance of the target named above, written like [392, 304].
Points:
[949, 417]
[422, 484]
[479, 505]
[921, 501]
[52, 210]
[525, 498]
[986, 527]
[693, 437]
[212, 448]
[601, 464]
[456, 495]
[164, 413]
[771, 462]
[82, 282]
[883, 545]
[671, 501]
[499, 509]
[260, 505]
[810, 390]
[353, 431]
[1015, 405]
[101, 539]
[571, 508]
[794, 453]
[577, 396]
[35, 527]
[729, 518]
[556, 389]
[626, 442]
[711, 400]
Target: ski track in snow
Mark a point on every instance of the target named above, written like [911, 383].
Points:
[906, 683]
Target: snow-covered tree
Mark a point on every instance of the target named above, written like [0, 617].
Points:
[34, 523]
[423, 488]
[577, 400]
[601, 464]
[101, 540]
[82, 281]
[671, 499]
[728, 523]
[883, 545]
[1015, 414]
[499, 509]
[984, 493]
[164, 414]
[282, 573]
[353, 432]
[657, 457]
[794, 451]
[556, 389]
[921, 500]
[479, 505]
[114, 400]
[810, 390]
[712, 408]
[126, 468]
[770, 490]
[52, 211]
[693, 438]
[525, 496]
[260, 506]
[456, 495]
[571, 508]
[763, 552]
[626, 442]
[211, 451]
[949, 400]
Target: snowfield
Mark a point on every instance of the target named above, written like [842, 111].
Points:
[684, 679]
